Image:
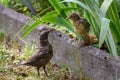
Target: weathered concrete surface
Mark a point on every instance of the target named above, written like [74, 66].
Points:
[94, 63]
[11, 22]
[85, 61]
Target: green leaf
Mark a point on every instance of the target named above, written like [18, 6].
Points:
[58, 7]
[112, 14]
[31, 21]
[103, 31]
[105, 5]
[58, 21]
[79, 3]
[111, 44]
[95, 12]
[34, 25]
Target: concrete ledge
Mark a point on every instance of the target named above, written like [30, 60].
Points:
[11, 22]
[94, 63]
[84, 61]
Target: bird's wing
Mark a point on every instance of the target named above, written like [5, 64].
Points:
[39, 55]
[34, 58]
[86, 25]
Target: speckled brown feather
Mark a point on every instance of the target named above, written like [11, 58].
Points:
[43, 56]
[81, 26]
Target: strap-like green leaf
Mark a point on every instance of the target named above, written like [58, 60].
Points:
[103, 31]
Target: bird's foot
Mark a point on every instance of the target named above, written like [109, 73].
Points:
[85, 44]
[45, 71]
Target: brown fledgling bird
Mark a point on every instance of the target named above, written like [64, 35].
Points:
[81, 27]
[43, 56]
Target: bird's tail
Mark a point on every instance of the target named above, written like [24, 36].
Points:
[15, 65]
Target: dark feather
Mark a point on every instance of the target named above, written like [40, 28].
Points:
[43, 56]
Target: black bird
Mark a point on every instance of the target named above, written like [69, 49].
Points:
[43, 56]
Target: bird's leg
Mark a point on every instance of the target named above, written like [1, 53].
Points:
[38, 71]
[86, 40]
[45, 71]
[85, 43]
